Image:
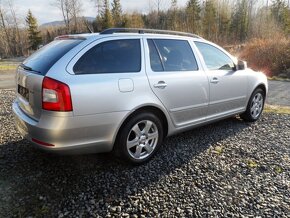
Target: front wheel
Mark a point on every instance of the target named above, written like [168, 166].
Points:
[139, 138]
[255, 106]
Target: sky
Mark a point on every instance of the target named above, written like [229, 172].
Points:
[45, 12]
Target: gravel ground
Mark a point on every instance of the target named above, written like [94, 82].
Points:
[230, 168]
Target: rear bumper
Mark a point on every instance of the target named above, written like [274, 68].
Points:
[70, 134]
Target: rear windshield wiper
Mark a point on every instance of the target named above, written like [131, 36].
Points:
[28, 68]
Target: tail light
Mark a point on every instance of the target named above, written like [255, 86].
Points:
[55, 95]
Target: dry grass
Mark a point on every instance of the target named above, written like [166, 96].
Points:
[277, 109]
[276, 78]
[5, 65]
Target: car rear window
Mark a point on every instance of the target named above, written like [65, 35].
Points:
[42, 60]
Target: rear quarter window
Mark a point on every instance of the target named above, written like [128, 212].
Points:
[42, 60]
[114, 56]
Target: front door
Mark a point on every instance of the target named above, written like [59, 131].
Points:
[228, 87]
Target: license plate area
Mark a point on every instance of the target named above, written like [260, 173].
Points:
[24, 92]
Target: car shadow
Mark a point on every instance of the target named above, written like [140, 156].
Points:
[37, 183]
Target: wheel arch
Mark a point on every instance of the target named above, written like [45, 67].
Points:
[146, 108]
[246, 115]
[263, 87]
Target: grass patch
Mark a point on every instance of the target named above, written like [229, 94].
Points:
[5, 65]
[218, 149]
[277, 109]
[276, 78]
[8, 67]
[278, 169]
[252, 164]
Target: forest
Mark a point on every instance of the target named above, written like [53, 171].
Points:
[257, 31]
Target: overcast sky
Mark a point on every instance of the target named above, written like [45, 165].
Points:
[45, 12]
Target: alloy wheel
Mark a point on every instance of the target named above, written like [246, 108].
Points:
[257, 105]
[142, 139]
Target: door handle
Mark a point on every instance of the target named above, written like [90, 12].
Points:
[160, 85]
[214, 80]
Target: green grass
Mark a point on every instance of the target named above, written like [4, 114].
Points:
[277, 109]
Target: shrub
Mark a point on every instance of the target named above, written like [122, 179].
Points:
[272, 56]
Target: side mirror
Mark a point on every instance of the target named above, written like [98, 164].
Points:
[242, 65]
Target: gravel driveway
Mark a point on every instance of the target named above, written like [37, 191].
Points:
[230, 168]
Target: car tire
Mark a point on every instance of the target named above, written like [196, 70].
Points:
[255, 106]
[139, 138]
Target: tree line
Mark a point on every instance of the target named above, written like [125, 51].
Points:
[222, 21]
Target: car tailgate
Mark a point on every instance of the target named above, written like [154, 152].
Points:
[29, 95]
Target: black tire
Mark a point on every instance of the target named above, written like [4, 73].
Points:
[251, 115]
[127, 136]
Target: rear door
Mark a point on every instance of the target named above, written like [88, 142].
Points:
[228, 87]
[176, 79]
[32, 71]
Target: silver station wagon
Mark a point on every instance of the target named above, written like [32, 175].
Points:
[124, 90]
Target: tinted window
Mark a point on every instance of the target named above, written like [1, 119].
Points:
[116, 56]
[42, 60]
[214, 58]
[155, 61]
[176, 55]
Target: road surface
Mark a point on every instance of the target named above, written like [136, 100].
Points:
[279, 93]
[7, 79]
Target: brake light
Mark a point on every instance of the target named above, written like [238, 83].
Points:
[55, 95]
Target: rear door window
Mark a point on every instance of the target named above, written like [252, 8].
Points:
[171, 55]
[115, 56]
[42, 60]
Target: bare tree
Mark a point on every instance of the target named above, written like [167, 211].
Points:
[64, 6]
[158, 5]
[18, 39]
[5, 30]
[76, 9]
[70, 10]
[13, 41]
[99, 6]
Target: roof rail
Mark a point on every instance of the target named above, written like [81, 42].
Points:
[142, 31]
[69, 37]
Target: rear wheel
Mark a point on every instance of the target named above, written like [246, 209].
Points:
[139, 138]
[255, 106]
